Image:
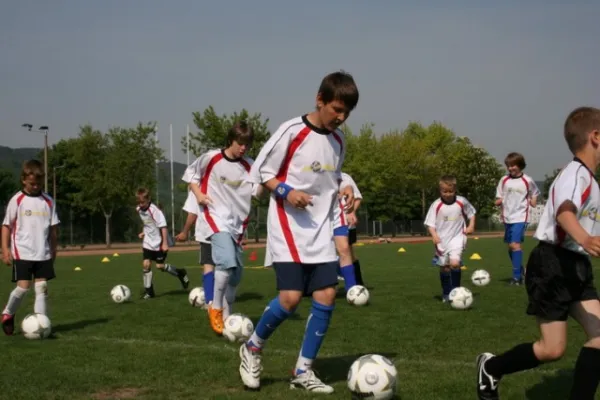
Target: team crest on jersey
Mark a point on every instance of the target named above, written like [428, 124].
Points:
[516, 190]
[592, 214]
[225, 181]
[28, 213]
[316, 167]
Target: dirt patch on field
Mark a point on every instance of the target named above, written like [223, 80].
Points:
[118, 394]
[95, 250]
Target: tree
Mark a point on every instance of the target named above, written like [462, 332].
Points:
[111, 166]
[213, 131]
[8, 186]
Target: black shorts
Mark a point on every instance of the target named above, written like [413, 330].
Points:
[206, 254]
[157, 256]
[351, 236]
[24, 270]
[555, 279]
[306, 278]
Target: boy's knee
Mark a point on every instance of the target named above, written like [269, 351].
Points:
[514, 246]
[289, 299]
[325, 296]
[146, 265]
[547, 353]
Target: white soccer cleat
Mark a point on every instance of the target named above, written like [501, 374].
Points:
[250, 367]
[309, 382]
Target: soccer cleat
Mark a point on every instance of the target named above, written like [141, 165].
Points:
[515, 282]
[148, 293]
[250, 367]
[215, 316]
[183, 278]
[309, 382]
[445, 298]
[8, 324]
[487, 385]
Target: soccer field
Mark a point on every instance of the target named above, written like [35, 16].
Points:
[164, 349]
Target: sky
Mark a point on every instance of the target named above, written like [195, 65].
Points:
[504, 74]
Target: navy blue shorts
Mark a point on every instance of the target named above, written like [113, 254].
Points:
[305, 278]
[515, 233]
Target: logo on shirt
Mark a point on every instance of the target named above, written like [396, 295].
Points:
[592, 214]
[449, 218]
[316, 167]
[227, 182]
[30, 213]
[516, 190]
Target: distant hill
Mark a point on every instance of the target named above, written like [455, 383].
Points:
[12, 159]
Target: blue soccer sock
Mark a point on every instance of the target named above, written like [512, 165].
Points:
[349, 276]
[273, 316]
[208, 282]
[316, 327]
[455, 274]
[517, 263]
[446, 280]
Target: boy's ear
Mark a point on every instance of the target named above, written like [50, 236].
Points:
[320, 102]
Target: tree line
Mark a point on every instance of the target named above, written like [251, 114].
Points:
[397, 171]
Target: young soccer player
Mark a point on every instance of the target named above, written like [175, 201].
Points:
[155, 245]
[445, 221]
[225, 195]
[301, 165]
[515, 194]
[345, 237]
[29, 240]
[559, 277]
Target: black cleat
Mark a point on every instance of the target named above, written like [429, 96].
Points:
[487, 385]
[183, 278]
[148, 293]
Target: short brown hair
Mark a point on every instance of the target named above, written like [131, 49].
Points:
[143, 193]
[32, 167]
[240, 132]
[339, 86]
[448, 180]
[579, 123]
[515, 159]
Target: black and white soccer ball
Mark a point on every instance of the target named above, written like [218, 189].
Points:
[36, 326]
[358, 295]
[480, 277]
[372, 377]
[238, 328]
[196, 297]
[120, 294]
[460, 298]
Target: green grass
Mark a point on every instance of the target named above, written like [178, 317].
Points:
[164, 348]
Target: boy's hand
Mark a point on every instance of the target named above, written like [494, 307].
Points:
[299, 199]
[164, 248]
[7, 257]
[592, 245]
[351, 218]
[204, 199]
[141, 235]
[436, 239]
[348, 194]
[498, 202]
[181, 237]
[469, 230]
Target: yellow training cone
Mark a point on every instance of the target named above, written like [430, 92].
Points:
[359, 244]
[475, 256]
[116, 255]
[77, 269]
[463, 268]
[105, 259]
[401, 250]
[476, 238]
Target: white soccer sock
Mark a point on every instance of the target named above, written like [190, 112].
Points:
[147, 279]
[221, 283]
[14, 300]
[229, 300]
[41, 294]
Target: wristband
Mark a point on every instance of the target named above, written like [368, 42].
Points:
[282, 190]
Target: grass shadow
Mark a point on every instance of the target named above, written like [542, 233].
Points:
[247, 296]
[552, 387]
[179, 292]
[79, 325]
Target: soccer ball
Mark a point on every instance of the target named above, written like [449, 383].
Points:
[36, 326]
[196, 297]
[120, 293]
[461, 298]
[480, 277]
[238, 328]
[358, 295]
[372, 377]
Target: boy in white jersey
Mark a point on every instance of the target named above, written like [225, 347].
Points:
[516, 194]
[225, 195]
[345, 236]
[29, 239]
[155, 245]
[445, 221]
[301, 166]
[559, 277]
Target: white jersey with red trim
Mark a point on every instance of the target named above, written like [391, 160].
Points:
[577, 184]
[515, 194]
[225, 181]
[449, 221]
[30, 219]
[308, 159]
[154, 220]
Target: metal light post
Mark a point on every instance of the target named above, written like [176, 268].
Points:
[42, 129]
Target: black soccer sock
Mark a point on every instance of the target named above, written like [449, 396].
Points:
[519, 358]
[358, 274]
[587, 374]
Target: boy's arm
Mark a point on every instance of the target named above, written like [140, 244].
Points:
[499, 193]
[53, 240]
[6, 255]
[165, 239]
[534, 193]
[434, 236]
[430, 223]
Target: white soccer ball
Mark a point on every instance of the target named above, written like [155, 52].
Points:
[36, 326]
[196, 297]
[120, 294]
[358, 295]
[480, 277]
[372, 377]
[238, 328]
[460, 298]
